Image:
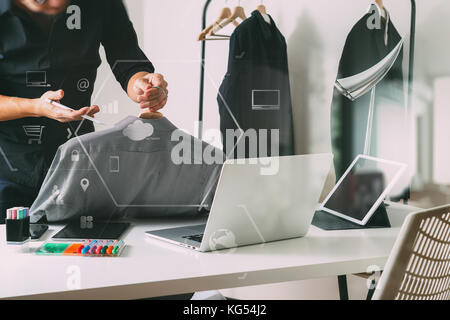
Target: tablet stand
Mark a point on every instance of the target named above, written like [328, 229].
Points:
[329, 222]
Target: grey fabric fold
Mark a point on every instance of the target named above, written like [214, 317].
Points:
[127, 171]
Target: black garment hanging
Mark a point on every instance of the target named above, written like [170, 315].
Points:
[255, 93]
[363, 49]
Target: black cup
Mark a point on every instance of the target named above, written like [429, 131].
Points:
[17, 231]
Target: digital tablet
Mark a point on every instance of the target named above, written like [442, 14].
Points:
[98, 230]
[362, 188]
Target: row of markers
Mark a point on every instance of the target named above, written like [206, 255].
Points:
[100, 247]
[88, 248]
[17, 213]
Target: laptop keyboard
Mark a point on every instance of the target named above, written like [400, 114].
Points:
[197, 238]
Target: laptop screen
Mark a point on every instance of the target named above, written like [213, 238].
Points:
[362, 188]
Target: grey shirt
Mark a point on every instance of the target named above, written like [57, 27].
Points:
[131, 170]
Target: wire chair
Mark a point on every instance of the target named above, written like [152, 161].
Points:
[419, 265]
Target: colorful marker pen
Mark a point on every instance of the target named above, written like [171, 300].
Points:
[117, 247]
[20, 213]
[99, 248]
[93, 250]
[92, 246]
[85, 249]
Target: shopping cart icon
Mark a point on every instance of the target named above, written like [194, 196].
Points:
[34, 133]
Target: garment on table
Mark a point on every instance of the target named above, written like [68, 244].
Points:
[33, 61]
[255, 93]
[139, 168]
[363, 49]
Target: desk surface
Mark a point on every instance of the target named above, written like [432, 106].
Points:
[150, 267]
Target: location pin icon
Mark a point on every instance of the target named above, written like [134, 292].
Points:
[84, 184]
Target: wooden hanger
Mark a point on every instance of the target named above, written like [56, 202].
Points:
[225, 13]
[262, 9]
[380, 4]
[238, 13]
[383, 12]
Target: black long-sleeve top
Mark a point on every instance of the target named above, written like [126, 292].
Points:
[33, 61]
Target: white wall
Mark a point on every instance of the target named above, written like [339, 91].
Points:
[441, 115]
[107, 90]
[315, 32]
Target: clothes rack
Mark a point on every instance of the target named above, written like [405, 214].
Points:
[202, 73]
[203, 56]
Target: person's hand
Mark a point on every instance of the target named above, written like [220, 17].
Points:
[45, 109]
[150, 98]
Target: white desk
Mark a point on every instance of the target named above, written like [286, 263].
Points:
[149, 268]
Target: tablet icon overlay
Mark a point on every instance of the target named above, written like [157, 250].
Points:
[114, 164]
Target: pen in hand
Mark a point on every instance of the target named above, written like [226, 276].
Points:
[67, 108]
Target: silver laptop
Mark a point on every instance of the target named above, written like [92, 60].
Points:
[255, 205]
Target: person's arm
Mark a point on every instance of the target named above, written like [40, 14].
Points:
[17, 108]
[129, 64]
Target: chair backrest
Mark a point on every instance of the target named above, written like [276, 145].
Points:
[419, 265]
